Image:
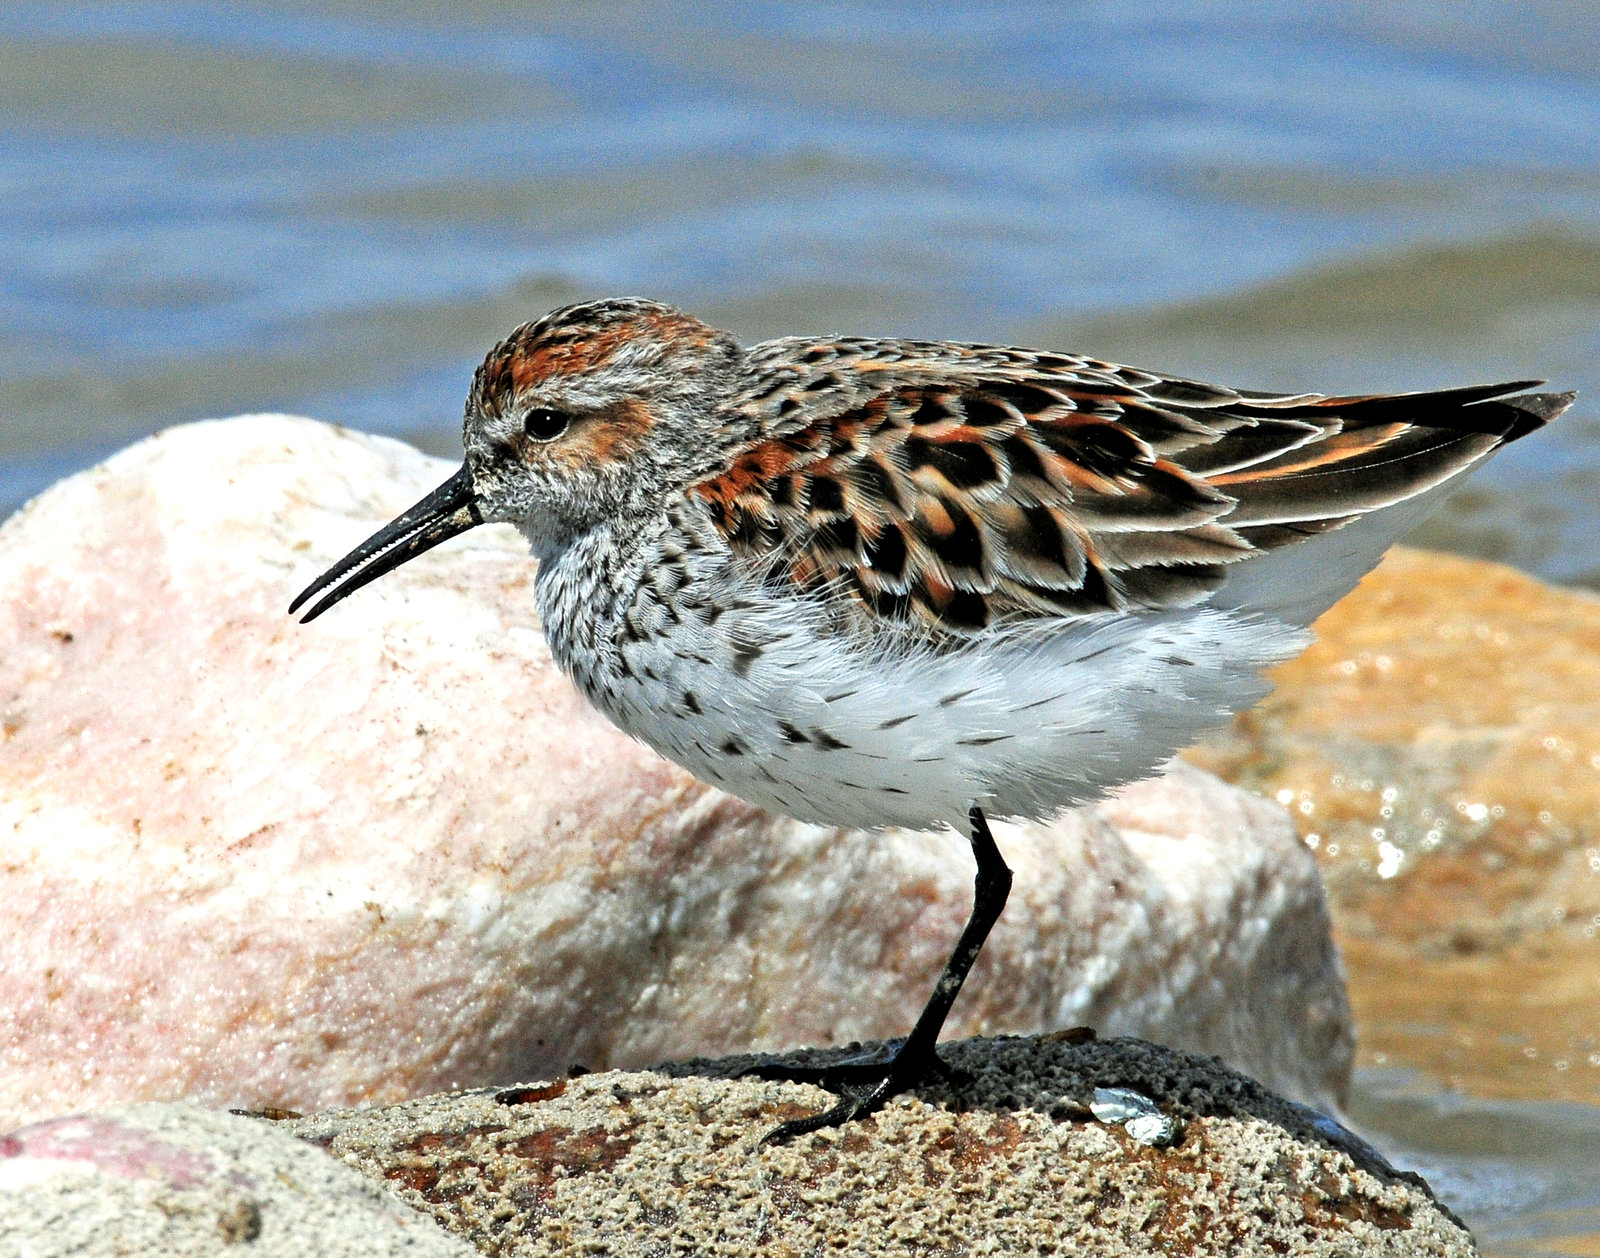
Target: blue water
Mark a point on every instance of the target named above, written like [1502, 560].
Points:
[1521, 1173]
[333, 208]
[207, 209]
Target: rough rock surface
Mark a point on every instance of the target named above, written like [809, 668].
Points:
[173, 1181]
[1439, 747]
[253, 863]
[1006, 1160]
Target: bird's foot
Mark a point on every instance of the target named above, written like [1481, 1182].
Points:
[885, 1077]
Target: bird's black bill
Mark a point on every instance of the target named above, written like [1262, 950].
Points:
[449, 510]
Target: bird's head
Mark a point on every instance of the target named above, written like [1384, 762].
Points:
[595, 412]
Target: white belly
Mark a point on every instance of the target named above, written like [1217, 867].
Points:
[1022, 723]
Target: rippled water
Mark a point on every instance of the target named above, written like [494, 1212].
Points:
[206, 208]
[333, 208]
[1521, 1173]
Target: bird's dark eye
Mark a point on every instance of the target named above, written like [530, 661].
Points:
[544, 424]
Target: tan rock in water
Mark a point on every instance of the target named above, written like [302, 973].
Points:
[1029, 1151]
[256, 863]
[1439, 747]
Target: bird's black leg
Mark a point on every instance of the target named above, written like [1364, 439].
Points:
[916, 1056]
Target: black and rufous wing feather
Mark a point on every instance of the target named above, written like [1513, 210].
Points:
[957, 487]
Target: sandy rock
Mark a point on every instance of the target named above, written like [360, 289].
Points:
[253, 863]
[1009, 1159]
[167, 1181]
[1440, 749]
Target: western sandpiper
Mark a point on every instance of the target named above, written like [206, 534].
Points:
[870, 582]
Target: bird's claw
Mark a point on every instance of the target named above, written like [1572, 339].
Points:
[901, 1072]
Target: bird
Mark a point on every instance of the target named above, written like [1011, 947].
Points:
[870, 582]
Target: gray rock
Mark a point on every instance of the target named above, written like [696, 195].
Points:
[1005, 1158]
[174, 1180]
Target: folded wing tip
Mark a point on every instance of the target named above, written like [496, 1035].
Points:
[1536, 410]
[1546, 406]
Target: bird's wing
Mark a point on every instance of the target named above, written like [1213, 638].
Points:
[956, 487]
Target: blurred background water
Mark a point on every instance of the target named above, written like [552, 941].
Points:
[333, 208]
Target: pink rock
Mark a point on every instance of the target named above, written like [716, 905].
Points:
[253, 863]
[179, 1181]
[101, 1143]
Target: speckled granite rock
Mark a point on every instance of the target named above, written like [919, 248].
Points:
[177, 1181]
[1008, 1160]
[1439, 747]
[253, 863]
